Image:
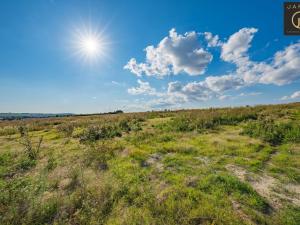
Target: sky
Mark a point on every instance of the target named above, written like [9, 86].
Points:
[99, 56]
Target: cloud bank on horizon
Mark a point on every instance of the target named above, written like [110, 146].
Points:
[189, 54]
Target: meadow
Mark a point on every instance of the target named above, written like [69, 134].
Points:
[203, 166]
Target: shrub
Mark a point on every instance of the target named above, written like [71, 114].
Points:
[124, 125]
[66, 129]
[22, 130]
[94, 133]
[31, 150]
[233, 119]
[208, 119]
[26, 163]
[273, 133]
[136, 124]
[98, 155]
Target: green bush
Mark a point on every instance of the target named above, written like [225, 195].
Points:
[124, 125]
[26, 163]
[272, 132]
[95, 133]
[136, 125]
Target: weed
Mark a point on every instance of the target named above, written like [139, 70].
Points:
[31, 150]
[66, 129]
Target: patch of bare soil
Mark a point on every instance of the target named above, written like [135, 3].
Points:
[268, 187]
[155, 161]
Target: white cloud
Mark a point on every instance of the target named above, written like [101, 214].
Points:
[250, 94]
[182, 53]
[197, 91]
[178, 93]
[223, 97]
[285, 67]
[285, 98]
[175, 86]
[223, 83]
[212, 41]
[143, 88]
[295, 95]
[173, 55]
[235, 49]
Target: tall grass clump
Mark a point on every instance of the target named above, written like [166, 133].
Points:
[31, 149]
[98, 155]
[208, 119]
[273, 133]
[127, 125]
[7, 131]
[95, 133]
[66, 129]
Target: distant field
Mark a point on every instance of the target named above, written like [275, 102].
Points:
[212, 166]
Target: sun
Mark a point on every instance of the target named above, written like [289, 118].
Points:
[90, 44]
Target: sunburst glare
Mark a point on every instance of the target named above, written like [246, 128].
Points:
[90, 44]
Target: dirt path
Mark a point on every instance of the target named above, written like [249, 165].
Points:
[268, 187]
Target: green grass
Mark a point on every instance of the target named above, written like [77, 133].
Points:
[214, 166]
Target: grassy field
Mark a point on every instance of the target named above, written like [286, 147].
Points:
[212, 166]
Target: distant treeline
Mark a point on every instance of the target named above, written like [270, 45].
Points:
[93, 114]
[19, 116]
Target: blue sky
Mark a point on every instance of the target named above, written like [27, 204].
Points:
[249, 62]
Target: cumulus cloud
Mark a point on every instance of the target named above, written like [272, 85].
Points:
[285, 67]
[212, 40]
[223, 83]
[178, 93]
[183, 53]
[174, 54]
[212, 86]
[197, 91]
[143, 88]
[295, 95]
[235, 49]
